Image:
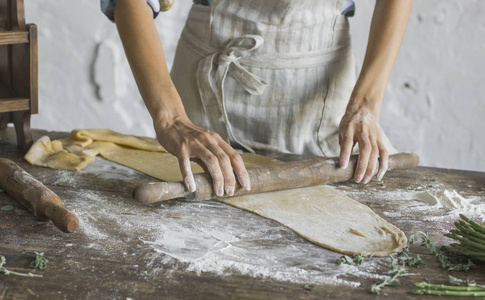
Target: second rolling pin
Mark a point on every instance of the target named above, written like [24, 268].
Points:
[35, 196]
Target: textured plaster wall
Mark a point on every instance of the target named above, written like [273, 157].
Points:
[433, 104]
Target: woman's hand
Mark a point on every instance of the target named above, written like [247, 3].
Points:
[360, 124]
[175, 132]
[189, 142]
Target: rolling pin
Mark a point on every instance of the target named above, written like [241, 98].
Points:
[35, 196]
[267, 178]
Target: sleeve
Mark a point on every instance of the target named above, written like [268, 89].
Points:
[108, 8]
[348, 8]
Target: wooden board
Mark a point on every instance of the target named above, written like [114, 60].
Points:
[108, 258]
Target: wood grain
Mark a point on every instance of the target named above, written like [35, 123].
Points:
[14, 37]
[80, 267]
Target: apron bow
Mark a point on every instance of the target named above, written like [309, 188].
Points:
[228, 61]
[212, 93]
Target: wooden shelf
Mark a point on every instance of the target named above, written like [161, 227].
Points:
[14, 37]
[14, 104]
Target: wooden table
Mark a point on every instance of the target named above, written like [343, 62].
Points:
[113, 254]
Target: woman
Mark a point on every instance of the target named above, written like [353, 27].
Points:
[263, 74]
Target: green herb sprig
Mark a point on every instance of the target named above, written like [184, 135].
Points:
[8, 272]
[355, 260]
[442, 257]
[396, 271]
[40, 262]
[405, 258]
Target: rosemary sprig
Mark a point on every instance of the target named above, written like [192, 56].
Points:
[8, 272]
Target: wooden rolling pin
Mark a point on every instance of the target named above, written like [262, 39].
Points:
[35, 196]
[267, 178]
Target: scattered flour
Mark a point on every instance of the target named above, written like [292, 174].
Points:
[437, 204]
[213, 237]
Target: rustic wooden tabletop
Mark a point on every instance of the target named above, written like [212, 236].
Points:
[209, 250]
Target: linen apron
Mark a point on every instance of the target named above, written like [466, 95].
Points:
[268, 74]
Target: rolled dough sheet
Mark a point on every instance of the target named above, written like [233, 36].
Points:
[140, 153]
[320, 214]
[328, 218]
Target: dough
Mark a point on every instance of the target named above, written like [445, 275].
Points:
[140, 153]
[321, 214]
[328, 218]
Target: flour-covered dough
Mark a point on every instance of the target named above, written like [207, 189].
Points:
[328, 218]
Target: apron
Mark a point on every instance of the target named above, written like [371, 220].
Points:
[267, 74]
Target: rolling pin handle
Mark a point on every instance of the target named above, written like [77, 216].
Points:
[403, 161]
[62, 218]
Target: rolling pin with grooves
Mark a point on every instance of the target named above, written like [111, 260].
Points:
[268, 178]
[35, 196]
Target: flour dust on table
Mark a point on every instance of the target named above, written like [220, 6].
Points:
[202, 237]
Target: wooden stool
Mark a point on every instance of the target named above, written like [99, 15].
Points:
[18, 71]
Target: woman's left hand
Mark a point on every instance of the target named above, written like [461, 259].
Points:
[360, 125]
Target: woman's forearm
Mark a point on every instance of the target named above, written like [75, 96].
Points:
[360, 123]
[175, 132]
[134, 19]
[386, 34]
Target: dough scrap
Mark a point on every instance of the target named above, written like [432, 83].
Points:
[321, 214]
[328, 218]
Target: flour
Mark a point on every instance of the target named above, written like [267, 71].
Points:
[211, 237]
[207, 236]
[435, 203]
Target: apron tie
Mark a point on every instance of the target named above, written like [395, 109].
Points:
[212, 93]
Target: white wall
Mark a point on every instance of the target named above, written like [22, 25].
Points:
[433, 104]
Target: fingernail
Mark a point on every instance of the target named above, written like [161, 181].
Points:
[230, 190]
[358, 177]
[220, 192]
[344, 163]
[367, 178]
[380, 175]
[190, 184]
[245, 184]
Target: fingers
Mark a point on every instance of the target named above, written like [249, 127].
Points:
[215, 170]
[217, 158]
[384, 161]
[238, 166]
[346, 145]
[187, 175]
[371, 151]
[365, 149]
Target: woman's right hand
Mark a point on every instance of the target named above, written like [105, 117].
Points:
[189, 142]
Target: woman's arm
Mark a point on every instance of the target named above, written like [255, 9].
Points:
[360, 122]
[175, 132]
